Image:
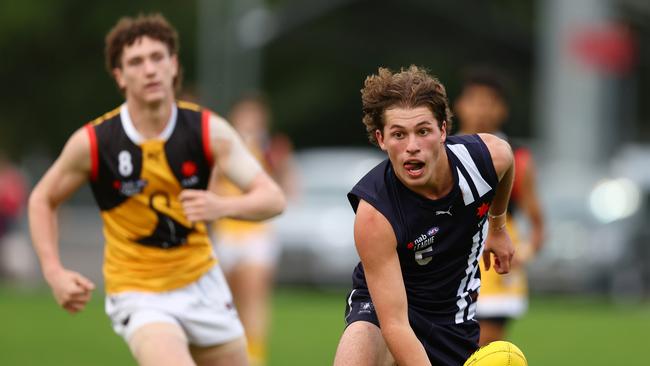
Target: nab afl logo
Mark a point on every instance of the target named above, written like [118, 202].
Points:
[423, 246]
[125, 165]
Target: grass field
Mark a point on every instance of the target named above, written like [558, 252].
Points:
[307, 324]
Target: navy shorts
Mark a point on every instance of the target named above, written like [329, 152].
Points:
[445, 344]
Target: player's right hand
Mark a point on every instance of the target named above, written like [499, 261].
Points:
[201, 205]
[71, 290]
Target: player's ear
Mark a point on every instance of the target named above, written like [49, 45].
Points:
[379, 136]
[119, 78]
[174, 60]
[443, 132]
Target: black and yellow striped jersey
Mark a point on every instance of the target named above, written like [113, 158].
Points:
[150, 245]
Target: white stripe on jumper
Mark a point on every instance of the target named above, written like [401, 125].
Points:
[466, 159]
[468, 196]
[469, 270]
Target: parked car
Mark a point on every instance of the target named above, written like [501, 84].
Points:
[316, 230]
[598, 238]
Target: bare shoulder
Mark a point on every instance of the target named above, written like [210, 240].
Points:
[500, 151]
[222, 134]
[495, 143]
[76, 153]
[373, 230]
[220, 128]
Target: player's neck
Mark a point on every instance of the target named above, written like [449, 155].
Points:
[442, 181]
[149, 119]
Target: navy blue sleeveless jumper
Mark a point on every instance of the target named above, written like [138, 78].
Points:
[439, 245]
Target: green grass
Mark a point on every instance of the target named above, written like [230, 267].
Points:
[35, 331]
[307, 324]
[584, 331]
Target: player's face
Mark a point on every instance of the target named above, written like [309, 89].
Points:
[148, 71]
[481, 109]
[414, 143]
[250, 120]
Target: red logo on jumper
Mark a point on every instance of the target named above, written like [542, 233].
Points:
[409, 245]
[482, 209]
[117, 184]
[188, 168]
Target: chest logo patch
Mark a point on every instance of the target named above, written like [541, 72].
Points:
[189, 170]
[130, 187]
[423, 246]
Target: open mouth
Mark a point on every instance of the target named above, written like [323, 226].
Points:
[414, 168]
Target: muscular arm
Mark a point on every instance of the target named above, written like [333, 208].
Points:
[64, 177]
[498, 242]
[262, 198]
[375, 242]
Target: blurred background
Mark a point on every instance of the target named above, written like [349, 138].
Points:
[578, 71]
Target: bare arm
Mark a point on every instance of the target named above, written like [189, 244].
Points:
[65, 176]
[283, 167]
[529, 202]
[262, 198]
[375, 242]
[498, 242]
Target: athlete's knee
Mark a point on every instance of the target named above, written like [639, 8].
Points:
[363, 344]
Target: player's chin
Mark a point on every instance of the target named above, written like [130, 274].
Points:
[154, 97]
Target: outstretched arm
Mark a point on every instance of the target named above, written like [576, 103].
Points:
[262, 198]
[71, 290]
[376, 245]
[498, 242]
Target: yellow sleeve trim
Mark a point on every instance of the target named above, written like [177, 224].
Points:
[188, 105]
[106, 116]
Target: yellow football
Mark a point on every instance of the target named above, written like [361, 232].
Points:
[499, 353]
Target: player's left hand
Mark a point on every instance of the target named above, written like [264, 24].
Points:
[200, 205]
[498, 243]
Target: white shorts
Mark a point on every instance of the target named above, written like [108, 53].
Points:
[501, 306]
[203, 309]
[254, 248]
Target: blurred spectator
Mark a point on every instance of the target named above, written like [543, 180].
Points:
[249, 251]
[482, 108]
[13, 192]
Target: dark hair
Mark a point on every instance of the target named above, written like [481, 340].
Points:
[409, 88]
[488, 77]
[256, 98]
[128, 30]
